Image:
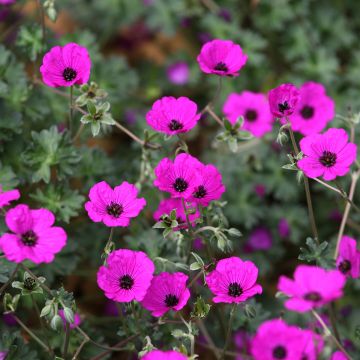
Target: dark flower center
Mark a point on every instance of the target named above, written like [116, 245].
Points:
[251, 115]
[175, 125]
[279, 352]
[307, 112]
[29, 238]
[180, 185]
[29, 283]
[328, 158]
[283, 107]
[171, 300]
[126, 282]
[345, 266]
[313, 296]
[114, 209]
[69, 74]
[200, 192]
[235, 290]
[220, 66]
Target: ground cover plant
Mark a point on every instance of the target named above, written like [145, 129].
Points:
[178, 180]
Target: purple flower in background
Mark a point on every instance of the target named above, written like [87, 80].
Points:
[259, 239]
[260, 190]
[75, 323]
[178, 73]
[6, 2]
[3, 355]
[225, 14]
[284, 228]
[9, 319]
[130, 116]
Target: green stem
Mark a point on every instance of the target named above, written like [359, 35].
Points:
[71, 108]
[43, 345]
[77, 353]
[137, 320]
[229, 330]
[66, 340]
[333, 321]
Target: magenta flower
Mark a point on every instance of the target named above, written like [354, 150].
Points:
[164, 355]
[283, 100]
[259, 239]
[127, 275]
[114, 207]
[233, 280]
[338, 355]
[166, 292]
[312, 287]
[178, 73]
[77, 319]
[167, 205]
[7, 2]
[284, 228]
[173, 116]
[3, 355]
[348, 261]
[7, 196]
[221, 57]
[34, 238]
[66, 66]
[210, 185]
[313, 111]
[275, 339]
[254, 107]
[179, 178]
[313, 345]
[328, 155]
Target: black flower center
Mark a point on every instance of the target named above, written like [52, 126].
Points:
[307, 112]
[29, 283]
[126, 282]
[235, 290]
[313, 296]
[114, 209]
[175, 125]
[200, 192]
[345, 266]
[251, 115]
[29, 238]
[220, 66]
[180, 185]
[328, 158]
[171, 300]
[69, 74]
[283, 107]
[279, 352]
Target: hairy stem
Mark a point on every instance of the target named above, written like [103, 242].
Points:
[66, 340]
[229, 330]
[71, 108]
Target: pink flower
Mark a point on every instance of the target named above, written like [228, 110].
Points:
[210, 185]
[7, 2]
[312, 345]
[7, 196]
[260, 190]
[114, 207]
[178, 73]
[173, 116]
[312, 287]
[254, 107]
[66, 66]
[164, 355]
[167, 291]
[328, 155]
[221, 57]
[73, 325]
[233, 280]
[348, 261]
[34, 238]
[314, 109]
[283, 100]
[3, 355]
[167, 205]
[338, 355]
[259, 239]
[275, 339]
[127, 275]
[179, 178]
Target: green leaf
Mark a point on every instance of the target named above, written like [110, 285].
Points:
[91, 108]
[69, 315]
[95, 128]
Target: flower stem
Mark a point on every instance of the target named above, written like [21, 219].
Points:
[66, 340]
[11, 278]
[43, 345]
[71, 108]
[327, 331]
[355, 178]
[228, 334]
[77, 353]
